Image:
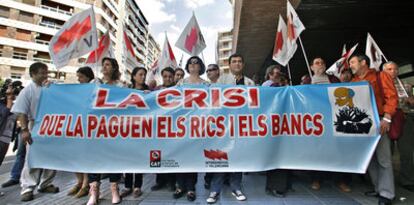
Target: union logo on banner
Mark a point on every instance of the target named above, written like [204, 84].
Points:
[217, 158]
[155, 158]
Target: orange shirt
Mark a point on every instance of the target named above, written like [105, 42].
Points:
[387, 101]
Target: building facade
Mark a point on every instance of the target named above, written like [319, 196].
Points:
[224, 49]
[26, 27]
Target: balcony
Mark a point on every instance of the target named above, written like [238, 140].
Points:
[19, 55]
[56, 10]
[41, 42]
[43, 60]
[50, 25]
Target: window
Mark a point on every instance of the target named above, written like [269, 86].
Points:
[4, 12]
[16, 76]
[3, 31]
[26, 17]
[30, 2]
[19, 54]
[23, 35]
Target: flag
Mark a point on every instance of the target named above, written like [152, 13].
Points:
[167, 58]
[191, 40]
[341, 63]
[76, 38]
[374, 53]
[294, 28]
[280, 51]
[104, 50]
[129, 53]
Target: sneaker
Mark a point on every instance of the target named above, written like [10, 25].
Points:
[11, 182]
[212, 198]
[239, 195]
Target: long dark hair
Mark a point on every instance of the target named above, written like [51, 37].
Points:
[86, 71]
[134, 72]
[116, 74]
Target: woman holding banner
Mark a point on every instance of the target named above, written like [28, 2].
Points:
[187, 181]
[111, 75]
[138, 76]
[81, 189]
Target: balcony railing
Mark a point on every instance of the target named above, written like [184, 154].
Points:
[43, 60]
[56, 10]
[41, 42]
[50, 25]
[19, 55]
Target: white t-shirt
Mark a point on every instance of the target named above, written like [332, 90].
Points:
[27, 101]
[323, 79]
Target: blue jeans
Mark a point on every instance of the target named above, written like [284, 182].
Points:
[19, 163]
[218, 180]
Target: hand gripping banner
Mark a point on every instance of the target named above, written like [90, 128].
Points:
[217, 128]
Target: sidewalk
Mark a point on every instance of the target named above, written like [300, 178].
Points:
[253, 186]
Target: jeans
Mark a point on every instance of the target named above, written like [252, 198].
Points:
[218, 180]
[19, 163]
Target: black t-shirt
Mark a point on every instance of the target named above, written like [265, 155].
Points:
[240, 81]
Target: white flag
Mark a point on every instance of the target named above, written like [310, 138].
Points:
[341, 63]
[129, 53]
[374, 53]
[280, 50]
[76, 38]
[191, 40]
[104, 50]
[294, 28]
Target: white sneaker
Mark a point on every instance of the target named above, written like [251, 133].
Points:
[239, 195]
[212, 198]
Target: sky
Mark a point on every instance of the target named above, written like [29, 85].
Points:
[173, 15]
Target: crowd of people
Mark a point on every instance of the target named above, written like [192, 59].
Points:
[18, 109]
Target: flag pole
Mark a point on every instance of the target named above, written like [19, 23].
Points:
[202, 56]
[306, 58]
[181, 60]
[290, 76]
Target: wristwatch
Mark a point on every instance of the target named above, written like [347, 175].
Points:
[386, 119]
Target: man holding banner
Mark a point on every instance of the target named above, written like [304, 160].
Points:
[235, 77]
[25, 108]
[380, 168]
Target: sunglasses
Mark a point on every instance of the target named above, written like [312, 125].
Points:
[194, 61]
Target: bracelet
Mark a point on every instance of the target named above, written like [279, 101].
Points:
[386, 119]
